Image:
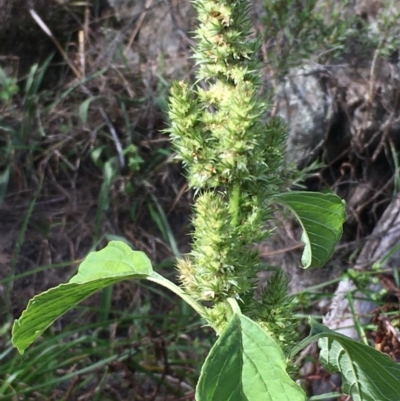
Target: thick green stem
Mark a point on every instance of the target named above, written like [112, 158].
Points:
[234, 204]
[234, 306]
[156, 278]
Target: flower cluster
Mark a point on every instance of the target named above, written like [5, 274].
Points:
[231, 153]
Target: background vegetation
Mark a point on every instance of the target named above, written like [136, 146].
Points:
[82, 161]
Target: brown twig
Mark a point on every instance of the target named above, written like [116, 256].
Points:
[47, 31]
[138, 26]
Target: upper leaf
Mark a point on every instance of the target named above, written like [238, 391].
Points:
[322, 217]
[245, 364]
[100, 269]
[367, 374]
[117, 258]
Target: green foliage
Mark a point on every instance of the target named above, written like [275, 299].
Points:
[322, 217]
[8, 87]
[245, 364]
[386, 32]
[274, 312]
[233, 159]
[110, 166]
[86, 348]
[41, 136]
[325, 31]
[368, 375]
[14, 136]
[100, 269]
[296, 30]
[19, 136]
[231, 155]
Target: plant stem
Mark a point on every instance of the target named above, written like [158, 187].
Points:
[157, 278]
[234, 204]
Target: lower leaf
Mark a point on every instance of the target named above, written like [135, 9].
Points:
[367, 374]
[245, 364]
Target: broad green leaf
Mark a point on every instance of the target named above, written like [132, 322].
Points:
[100, 269]
[114, 263]
[367, 374]
[245, 364]
[322, 217]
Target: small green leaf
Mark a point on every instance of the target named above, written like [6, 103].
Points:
[367, 374]
[245, 364]
[322, 217]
